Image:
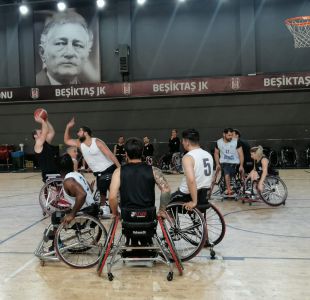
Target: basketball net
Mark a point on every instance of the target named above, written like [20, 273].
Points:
[300, 29]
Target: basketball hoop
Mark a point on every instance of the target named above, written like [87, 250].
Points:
[300, 29]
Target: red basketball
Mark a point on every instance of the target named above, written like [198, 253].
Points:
[40, 112]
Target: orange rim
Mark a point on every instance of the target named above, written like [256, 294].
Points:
[303, 21]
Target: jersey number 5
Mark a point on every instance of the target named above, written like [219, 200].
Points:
[207, 166]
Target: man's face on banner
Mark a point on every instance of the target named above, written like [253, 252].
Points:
[66, 51]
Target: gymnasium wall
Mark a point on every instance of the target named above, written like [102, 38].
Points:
[169, 40]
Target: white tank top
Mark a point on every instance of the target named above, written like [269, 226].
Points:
[79, 178]
[228, 151]
[95, 159]
[203, 170]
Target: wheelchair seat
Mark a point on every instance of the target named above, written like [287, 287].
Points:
[139, 241]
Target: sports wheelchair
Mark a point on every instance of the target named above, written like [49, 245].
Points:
[218, 187]
[51, 197]
[140, 240]
[77, 244]
[174, 165]
[274, 192]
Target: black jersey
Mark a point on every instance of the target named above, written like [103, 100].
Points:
[258, 166]
[120, 152]
[137, 186]
[174, 145]
[48, 159]
[148, 150]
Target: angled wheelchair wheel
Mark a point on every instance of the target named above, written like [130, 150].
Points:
[187, 230]
[215, 225]
[107, 246]
[275, 191]
[172, 249]
[217, 188]
[49, 196]
[80, 243]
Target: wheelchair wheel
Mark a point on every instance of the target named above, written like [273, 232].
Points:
[80, 243]
[218, 189]
[107, 246]
[275, 191]
[49, 196]
[187, 230]
[215, 225]
[172, 250]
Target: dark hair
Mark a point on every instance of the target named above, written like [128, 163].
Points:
[191, 135]
[236, 131]
[228, 129]
[86, 129]
[134, 148]
[66, 164]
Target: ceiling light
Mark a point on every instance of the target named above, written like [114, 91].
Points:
[141, 2]
[101, 4]
[61, 6]
[23, 9]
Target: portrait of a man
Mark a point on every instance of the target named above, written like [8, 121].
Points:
[65, 45]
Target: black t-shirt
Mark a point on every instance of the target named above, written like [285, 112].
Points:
[137, 186]
[246, 150]
[174, 145]
[120, 150]
[48, 159]
[148, 150]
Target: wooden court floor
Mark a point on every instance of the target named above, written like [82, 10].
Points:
[264, 255]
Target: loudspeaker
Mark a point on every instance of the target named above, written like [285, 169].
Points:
[123, 52]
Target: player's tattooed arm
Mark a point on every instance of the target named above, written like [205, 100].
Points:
[163, 185]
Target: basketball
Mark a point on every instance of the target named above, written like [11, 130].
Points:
[40, 112]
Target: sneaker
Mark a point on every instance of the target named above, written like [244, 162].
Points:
[248, 192]
[105, 211]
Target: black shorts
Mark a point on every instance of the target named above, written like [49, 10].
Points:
[104, 179]
[202, 196]
[229, 169]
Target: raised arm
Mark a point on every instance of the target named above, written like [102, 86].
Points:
[163, 185]
[67, 137]
[114, 189]
[50, 133]
[107, 152]
[188, 167]
[42, 137]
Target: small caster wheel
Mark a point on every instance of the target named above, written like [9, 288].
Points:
[170, 276]
[284, 203]
[243, 201]
[110, 276]
[212, 254]
[42, 263]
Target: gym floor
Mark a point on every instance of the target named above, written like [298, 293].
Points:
[265, 253]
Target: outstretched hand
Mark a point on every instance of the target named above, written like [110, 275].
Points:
[38, 119]
[71, 123]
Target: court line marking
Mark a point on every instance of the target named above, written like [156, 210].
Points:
[269, 234]
[21, 231]
[19, 205]
[12, 275]
[242, 258]
[10, 196]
